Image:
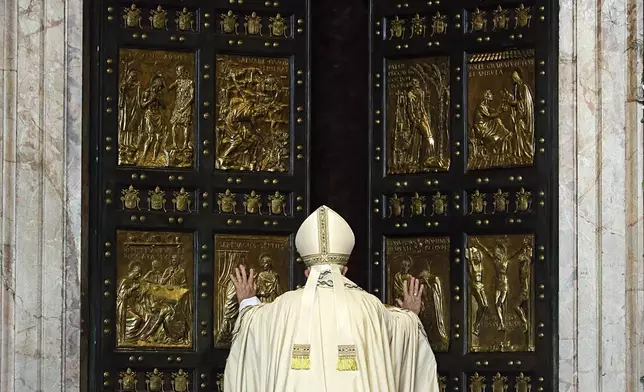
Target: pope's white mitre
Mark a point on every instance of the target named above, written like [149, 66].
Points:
[324, 238]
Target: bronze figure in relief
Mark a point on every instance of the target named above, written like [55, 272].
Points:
[522, 383]
[154, 381]
[220, 382]
[277, 203]
[156, 200]
[477, 287]
[478, 202]
[418, 206]
[184, 20]
[499, 383]
[442, 383]
[154, 294]
[155, 123]
[439, 204]
[523, 201]
[132, 17]
[427, 258]
[130, 199]
[159, 18]
[182, 201]
[418, 115]
[267, 254]
[501, 272]
[397, 28]
[252, 203]
[478, 21]
[500, 201]
[127, 380]
[252, 130]
[181, 148]
[253, 25]
[501, 19]
[477, 383]
[501, 110]
[277, 26]
[396, 206]
[229, 24]
[180, 381]
[268, 281]
[227, 202]
[522, 17]
[418, 26]
[440, 24]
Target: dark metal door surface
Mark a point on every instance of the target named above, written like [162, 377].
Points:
[463, 166]
[199, 124]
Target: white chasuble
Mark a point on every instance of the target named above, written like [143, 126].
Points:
[330, 336]
[393, 351]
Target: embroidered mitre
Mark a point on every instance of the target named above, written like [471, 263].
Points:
[324, 238]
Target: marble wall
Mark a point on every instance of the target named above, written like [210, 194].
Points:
[40, 207]
[601, 202]
[601, 233]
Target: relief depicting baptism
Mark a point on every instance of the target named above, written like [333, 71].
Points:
[268, 256]
[501, 109]
[154, 290]
[252, 130]
[156, 96]
[426, 258]
[418, 99]
[501, 293]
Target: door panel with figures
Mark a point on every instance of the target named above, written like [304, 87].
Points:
[463, 167]
[199, 129]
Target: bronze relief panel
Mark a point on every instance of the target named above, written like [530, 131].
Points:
[417, 129]
[501, 293]
[154, 303]
[269, 256]
[156, 96]
[253, 109]
[501, 109]
[426, 258]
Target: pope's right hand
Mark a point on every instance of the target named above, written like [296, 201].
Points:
[244, 283]
[412, 295]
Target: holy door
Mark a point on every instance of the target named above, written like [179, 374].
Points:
[463, 191]
[199, 138]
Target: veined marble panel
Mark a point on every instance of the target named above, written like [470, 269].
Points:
[600, 197]
[40, 133]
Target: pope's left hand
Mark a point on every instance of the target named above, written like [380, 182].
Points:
[244, 283]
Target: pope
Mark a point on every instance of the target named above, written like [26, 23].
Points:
[331, 335]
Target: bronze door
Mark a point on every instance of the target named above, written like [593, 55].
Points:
[199, 131]
[463, 168]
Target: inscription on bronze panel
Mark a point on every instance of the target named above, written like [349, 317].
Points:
[156, 108]
[267, 255]
[418, 99]
[252, 129]
[426, 258]
[501, 109]
[154, 294]
[501, 299]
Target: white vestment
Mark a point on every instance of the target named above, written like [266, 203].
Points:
[389, 345]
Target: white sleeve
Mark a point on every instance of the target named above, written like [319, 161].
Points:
[249, 302]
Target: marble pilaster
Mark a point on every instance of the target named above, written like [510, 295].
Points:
[600, 197]
[40, 214]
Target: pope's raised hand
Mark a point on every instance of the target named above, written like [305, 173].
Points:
[244, 283]
[412, 295]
